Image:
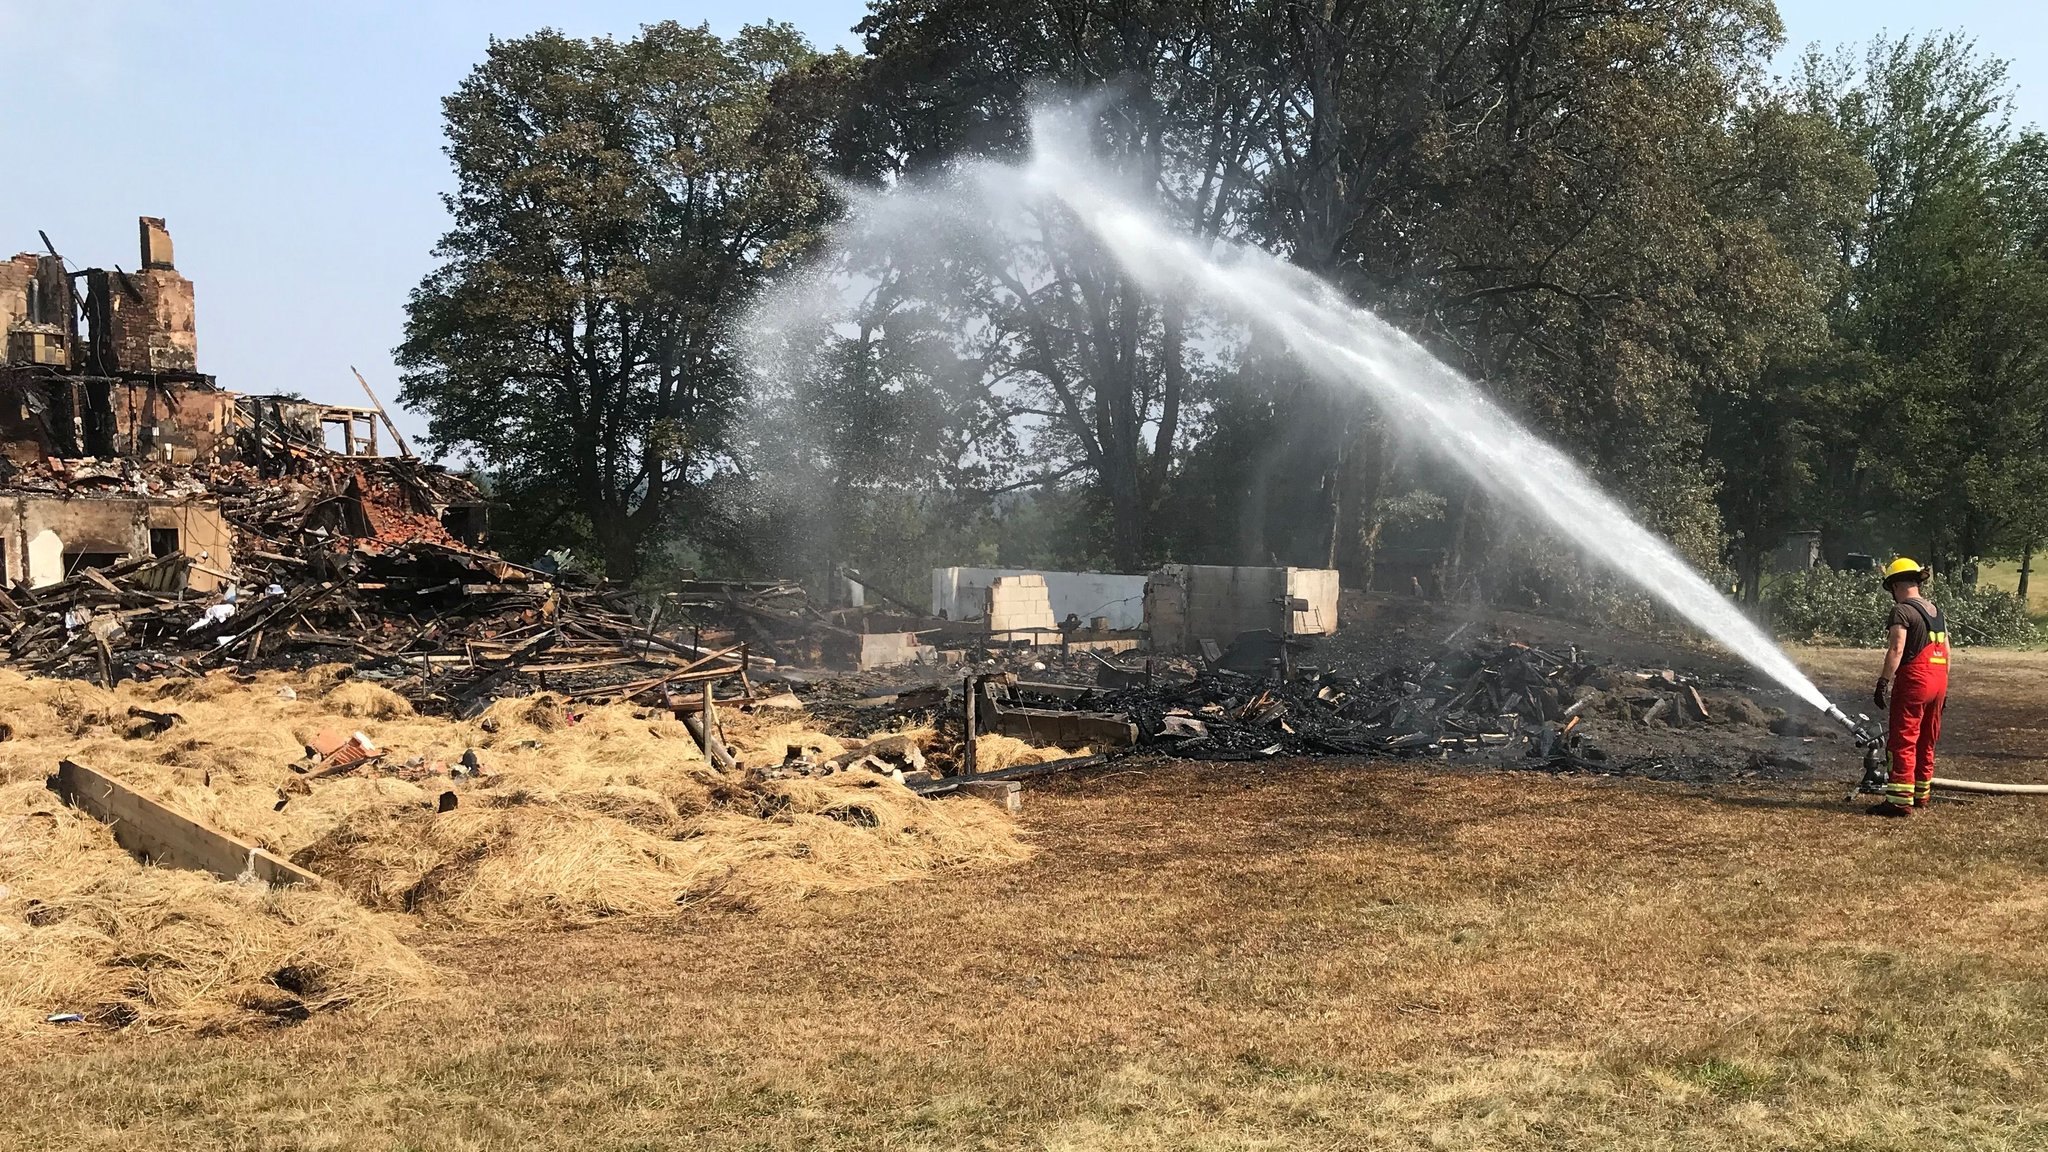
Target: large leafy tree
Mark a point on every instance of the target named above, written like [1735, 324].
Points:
[1932, 439]
[1574, 203]
[617, 205]
[876, 440]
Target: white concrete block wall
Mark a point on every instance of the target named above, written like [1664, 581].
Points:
[962, 593]
[1319, 587]
[1016, 603]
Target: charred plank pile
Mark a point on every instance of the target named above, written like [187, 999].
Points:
[1492, 698]
[441, 625]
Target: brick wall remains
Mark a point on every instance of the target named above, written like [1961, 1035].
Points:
[15, 276]
[151, 320]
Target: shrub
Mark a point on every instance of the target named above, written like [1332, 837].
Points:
[1981, 614]
[1851, 608]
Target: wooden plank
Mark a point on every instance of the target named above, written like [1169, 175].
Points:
[686, 674]
[1050, 691]
[403, 449]
[163, 837]
[714, 740]
[943, 785]
[971, 726]
[472, 700]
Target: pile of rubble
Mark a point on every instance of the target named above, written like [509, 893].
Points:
[153, 523]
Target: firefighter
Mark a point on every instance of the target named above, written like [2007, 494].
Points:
[1913, 688]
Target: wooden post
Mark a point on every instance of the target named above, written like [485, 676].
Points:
[714, 744]
[967, 767]
[653, 618]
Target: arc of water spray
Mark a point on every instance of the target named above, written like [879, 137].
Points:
[1348, 345]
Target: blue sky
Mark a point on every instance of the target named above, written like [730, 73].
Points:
[294, 148]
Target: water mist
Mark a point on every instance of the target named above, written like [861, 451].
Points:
[1436, 407]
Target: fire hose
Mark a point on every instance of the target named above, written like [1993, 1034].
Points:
[1991, 787]
[1876, 769]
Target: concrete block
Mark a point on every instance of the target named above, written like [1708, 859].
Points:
[1106, 646]
[890, 649]
[1186, 602]
[1005, 794]
[1019, 603]
[962, 594]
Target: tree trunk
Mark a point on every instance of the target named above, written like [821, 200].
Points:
[1127, 518]
[2026, 570]
[1463, 522]
[617, 543]
[1362, 477]
[1750, 570]
[1341, 510]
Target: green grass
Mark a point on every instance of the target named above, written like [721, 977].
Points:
[2005, 575]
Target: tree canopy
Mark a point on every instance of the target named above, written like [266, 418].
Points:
[1750, 304]
[616, 203]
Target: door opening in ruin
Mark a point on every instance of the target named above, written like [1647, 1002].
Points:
[164, 542]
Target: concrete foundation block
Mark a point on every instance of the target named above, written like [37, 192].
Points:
[1005, 794]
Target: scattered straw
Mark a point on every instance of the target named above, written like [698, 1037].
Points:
[582, 814]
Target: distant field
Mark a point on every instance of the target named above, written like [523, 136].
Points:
[2006, 574]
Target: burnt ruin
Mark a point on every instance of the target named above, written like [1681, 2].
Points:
[115, 447]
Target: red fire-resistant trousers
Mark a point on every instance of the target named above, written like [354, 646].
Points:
[1917, 698]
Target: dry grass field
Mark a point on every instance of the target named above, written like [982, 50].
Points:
[1228, 957]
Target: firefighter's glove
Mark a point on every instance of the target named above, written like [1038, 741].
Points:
[1882, 697]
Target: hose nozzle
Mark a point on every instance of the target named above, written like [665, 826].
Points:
[1857, 732]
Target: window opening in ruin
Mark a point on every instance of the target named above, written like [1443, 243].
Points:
[76, 562]
[347, 433]
[465, 522]
[164, 542]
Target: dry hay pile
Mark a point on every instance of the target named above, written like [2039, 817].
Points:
[995, 752]
[604, 812]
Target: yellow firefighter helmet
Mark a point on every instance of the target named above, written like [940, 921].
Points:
[1903, 568]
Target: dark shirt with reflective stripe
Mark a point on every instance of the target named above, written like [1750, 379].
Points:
[1921, 619]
